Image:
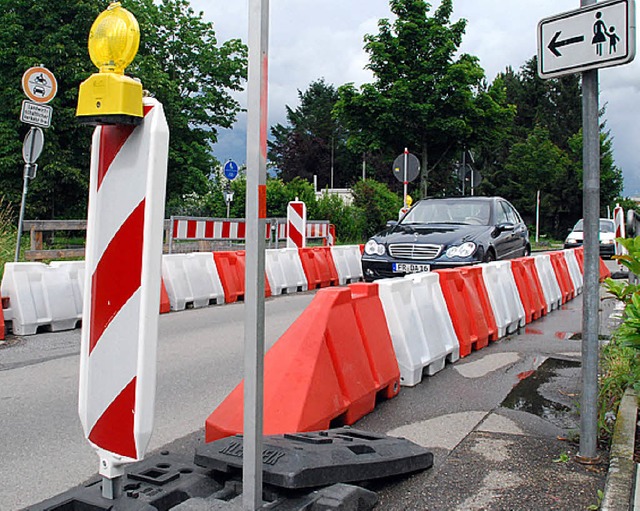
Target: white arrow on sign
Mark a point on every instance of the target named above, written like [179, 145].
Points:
[600, 35]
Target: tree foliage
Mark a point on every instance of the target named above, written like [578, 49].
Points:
[179, 61]
[425, 96]
[313, 143]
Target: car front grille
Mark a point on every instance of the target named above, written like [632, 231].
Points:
[414, 251]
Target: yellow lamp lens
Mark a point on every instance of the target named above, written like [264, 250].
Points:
[114, 39]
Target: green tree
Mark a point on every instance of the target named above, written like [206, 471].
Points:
[425, 95]
[179, 61]
[313, 142]
[378, 203]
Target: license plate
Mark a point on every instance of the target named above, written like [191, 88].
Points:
[410, 268]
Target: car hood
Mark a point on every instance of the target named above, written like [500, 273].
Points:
[437, 234]
[602, 236]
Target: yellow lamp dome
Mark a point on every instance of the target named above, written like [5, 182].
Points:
[114, 39]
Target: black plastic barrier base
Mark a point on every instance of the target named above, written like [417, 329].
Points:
[157, 483]
[302, 472]
[310, 460]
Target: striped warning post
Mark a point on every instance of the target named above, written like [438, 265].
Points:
[210, 229]
[297, 224]
[122, 283]
[619, 221]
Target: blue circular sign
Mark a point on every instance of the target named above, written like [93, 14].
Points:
[231, 169]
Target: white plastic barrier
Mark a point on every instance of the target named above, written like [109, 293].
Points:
[284, 271]
[550, 286]
[504, 297]
[39, 295]
[407, 331]
[191, 279]
[347, 261]
[75, 270]
[574, 270]
[438, 327]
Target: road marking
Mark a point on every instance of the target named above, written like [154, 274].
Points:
[487, 364]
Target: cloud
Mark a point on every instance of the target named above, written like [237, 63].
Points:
[312, 39]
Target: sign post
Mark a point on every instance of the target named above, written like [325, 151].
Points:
[406, 168]
[40, 86]
[256, 212]
[597, 35]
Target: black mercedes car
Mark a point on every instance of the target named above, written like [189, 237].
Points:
[445, 233]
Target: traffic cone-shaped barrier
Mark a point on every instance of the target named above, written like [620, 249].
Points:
[605, 273]
[318, 374]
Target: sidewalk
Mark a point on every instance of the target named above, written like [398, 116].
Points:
[491, 452]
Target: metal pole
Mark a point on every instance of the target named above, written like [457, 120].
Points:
[464, 170]
[406, 157]
[591, 214]
[256, 213]
[538, 216]
[332, 163]
[364, 166]
[25, 187]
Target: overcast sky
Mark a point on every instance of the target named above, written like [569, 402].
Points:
[312, 39]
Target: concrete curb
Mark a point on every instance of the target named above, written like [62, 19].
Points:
[619, 488]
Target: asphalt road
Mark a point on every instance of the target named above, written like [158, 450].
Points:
[43, 451]
[487, 456]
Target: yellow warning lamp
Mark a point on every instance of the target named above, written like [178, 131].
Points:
[110, 97]
[409, 200]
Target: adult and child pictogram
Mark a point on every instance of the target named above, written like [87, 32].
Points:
[600, 35]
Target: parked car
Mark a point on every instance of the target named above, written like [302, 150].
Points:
[607, 237]
[446, 233]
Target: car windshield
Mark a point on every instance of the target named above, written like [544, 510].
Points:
[605, 226]
[467, 212]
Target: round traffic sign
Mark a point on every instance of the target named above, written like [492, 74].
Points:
[231, 170]
[32, 146]
[39, 84]
[413, 167]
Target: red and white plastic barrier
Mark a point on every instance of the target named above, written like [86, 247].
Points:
[40, 296]
[322, 352]
[550, 286]
[347, 259]
[503, 294]
[284, 271]
[191, 280]
[121, 302]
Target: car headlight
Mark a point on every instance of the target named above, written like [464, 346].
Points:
[372, 247]
[607, 242]
[464, 250]
[571, 240]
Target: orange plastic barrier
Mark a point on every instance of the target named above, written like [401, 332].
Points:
[318, 374]
[563, 277]
[465, 308]
[165, 304]
[605, 273]
[362, 249]
[373, 328]
[3, 301]
[580, 257]
[231, 267]
[529, 287]
[474, 274]
[318, 267]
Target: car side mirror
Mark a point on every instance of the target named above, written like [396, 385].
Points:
[505, 226]
[392, 223]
